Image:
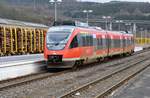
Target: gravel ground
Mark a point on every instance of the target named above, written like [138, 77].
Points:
[137, 87]
[55, 86]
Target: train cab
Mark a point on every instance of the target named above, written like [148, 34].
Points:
[57, 43]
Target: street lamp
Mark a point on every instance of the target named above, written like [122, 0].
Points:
[55, 4]
[87, 14]
[106, 21]
[34, 5]
[119, 21]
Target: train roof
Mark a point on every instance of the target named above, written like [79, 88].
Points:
[20, 23]
[56, 28]
[82, 25]
[90, 28]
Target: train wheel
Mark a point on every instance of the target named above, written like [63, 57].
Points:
[124, 54]
[132, 52]
[77, 64]
[100, 59]
[75, 67]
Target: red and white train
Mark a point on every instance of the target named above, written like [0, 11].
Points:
[69, 46]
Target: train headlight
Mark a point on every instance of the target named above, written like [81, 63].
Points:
[55, 47]
[49, 46]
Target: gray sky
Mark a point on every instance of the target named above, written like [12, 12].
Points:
[116, 0]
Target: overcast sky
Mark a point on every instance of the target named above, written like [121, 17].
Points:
[116, 0]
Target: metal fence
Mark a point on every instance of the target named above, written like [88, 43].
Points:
[142, 41]
[142, 37]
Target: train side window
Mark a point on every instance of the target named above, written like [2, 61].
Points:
[120, 43]
[117, 43]
[87, 40]
[112, 43]
[74, 42]
[132, 41]
[103, 43]
[1, 38]
[84, 41]
[99, 43]
[90, 40]
[126, 42]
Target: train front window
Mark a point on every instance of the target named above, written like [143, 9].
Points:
[74, 42]
[57, 38]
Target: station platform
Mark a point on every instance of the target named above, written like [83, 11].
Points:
[137, 88]
[139, 47]
[21, 65]
[14, 60]
[144, 45]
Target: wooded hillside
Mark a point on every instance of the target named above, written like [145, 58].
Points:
[41, 11]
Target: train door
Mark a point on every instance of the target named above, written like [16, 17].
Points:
[108, 43]
[0, 42]
[124, 44]
[86, 42]
[121, 43]
[94, 44]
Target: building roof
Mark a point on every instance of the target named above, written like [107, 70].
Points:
[20, 23]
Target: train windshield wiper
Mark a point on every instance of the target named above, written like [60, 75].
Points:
[56, 44]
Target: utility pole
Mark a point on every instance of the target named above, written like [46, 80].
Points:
[87, 14]
[106, 21]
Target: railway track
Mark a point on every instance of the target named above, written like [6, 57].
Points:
[42, 75]
[27, 79]
[105, 85]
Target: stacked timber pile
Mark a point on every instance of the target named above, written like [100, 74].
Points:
[21, 37]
